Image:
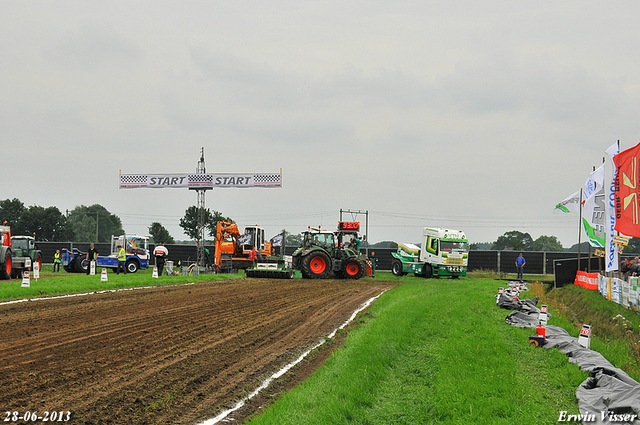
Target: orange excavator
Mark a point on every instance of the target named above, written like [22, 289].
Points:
[232, 248]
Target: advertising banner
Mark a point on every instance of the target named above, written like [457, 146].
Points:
[587, 280]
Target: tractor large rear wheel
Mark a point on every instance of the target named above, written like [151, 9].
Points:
[80, 265]
[6, 267]
[316, 265]
[353, 268]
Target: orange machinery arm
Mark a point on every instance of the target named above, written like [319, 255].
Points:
[224, 229]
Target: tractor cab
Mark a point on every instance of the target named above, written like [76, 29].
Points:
[318, 238]
[23, 246]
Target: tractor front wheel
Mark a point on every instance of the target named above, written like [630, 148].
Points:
[353, 269]
[316, 265]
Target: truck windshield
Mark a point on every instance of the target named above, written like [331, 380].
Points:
[453, 246]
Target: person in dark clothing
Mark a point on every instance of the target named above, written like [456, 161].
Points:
[161, 253]
[92, 254]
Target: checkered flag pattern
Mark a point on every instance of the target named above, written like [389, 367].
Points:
[201, 178]
[267, 180]
[133, 180]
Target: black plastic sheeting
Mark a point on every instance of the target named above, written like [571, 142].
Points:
[609, 395]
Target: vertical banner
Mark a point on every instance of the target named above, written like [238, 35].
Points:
[611, 249]
[625, 293]
[633, 293]
[626, 191]
[615, 290]
[593, 210]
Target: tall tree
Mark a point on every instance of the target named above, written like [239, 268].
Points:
[189, 222]
[293, 239]
[10, 211]
[547, 243]
[514, 240]
[94, 223]
[48, 224]
[160, 234]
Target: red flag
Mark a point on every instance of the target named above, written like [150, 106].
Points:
[627, 191]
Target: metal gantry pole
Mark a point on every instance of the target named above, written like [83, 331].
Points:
[200, 240]
[366, 225]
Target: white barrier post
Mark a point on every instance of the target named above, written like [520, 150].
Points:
[543, 314]
[584, 339]
[25, 279]
[103, 276]
[155, 272]
[92, 267]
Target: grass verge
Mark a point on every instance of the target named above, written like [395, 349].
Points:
[62, 283]
[434, 352]
[615, 329]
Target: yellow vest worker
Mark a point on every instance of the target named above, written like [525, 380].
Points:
[122, 257]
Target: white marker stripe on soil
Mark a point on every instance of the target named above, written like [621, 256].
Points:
[84, 294]
[288, 367]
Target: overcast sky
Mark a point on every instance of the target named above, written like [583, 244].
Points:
[477, 116]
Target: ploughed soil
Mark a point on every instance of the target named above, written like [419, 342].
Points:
[168, 355]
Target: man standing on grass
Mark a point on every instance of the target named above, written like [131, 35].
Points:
[122, 257]
[520, 262]
[161, 253]
[91, 255]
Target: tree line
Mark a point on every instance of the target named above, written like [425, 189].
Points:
[92, 223]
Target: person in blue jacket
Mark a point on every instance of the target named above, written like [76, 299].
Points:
[520, 262]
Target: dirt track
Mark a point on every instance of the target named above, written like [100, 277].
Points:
[178, 354]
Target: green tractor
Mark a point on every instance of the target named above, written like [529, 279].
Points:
[323, 252]
[25, 255]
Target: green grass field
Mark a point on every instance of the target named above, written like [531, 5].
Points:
[436, 352]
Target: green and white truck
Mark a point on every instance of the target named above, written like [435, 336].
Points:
[444, 252]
